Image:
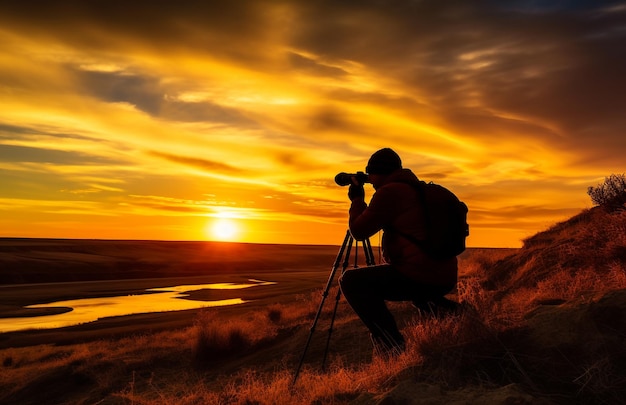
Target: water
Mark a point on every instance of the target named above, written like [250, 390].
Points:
[91, 309]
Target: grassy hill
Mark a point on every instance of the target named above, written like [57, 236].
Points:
[590, 244]
[542, 324]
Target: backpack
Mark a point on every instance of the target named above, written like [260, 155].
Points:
[445, 219]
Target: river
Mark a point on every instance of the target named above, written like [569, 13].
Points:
[160, 299]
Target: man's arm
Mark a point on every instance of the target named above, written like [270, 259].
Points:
[366, 221]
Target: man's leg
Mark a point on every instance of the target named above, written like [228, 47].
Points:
[366, 290]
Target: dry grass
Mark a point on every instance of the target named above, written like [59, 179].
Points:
[187, 366]
[217, 339]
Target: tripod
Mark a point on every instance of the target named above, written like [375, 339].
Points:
[346, 248]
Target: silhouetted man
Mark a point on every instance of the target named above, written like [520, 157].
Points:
[409, 274]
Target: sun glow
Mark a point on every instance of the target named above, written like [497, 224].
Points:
[224, 229]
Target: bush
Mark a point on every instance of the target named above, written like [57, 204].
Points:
[611, 194]
[218, 339]
[275, 314]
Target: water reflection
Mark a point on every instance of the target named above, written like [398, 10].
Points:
[91, 309]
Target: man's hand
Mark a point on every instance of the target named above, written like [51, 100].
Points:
[356, 190]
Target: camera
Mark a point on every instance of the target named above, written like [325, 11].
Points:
[345, 179]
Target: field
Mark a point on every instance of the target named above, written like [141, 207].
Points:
[540, 324]
[73, 269]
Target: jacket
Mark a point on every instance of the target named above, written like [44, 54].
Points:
[396, 206]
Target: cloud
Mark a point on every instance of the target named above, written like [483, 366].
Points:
[173, 205]
[149, 95]
[198, 163]
[11, 153]
[557, 72]
[517, 105]
[143, 92]
[231, 30]
[10, 132]
[311, 66]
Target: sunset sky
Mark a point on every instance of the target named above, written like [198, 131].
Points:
[154, 120]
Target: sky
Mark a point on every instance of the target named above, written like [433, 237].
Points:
[156, 120]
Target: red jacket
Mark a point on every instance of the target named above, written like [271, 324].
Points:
[395, 206]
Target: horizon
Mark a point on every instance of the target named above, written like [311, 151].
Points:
[213, 241]
[228, 122]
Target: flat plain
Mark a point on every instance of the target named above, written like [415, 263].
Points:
[37, 271]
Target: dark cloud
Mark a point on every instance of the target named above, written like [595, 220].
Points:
[148, 94]
[201, 27]
[561, 62]
[143, 92]
[331, 119]
[23, 154]
[203, 164]
[297, 160]
[310, 66]
[561, 65]
[13, 132]
[7, 130]
[203, 111]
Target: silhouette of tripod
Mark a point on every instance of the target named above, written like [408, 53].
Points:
[343, 257]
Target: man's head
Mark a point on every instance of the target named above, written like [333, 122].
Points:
[384, 161]
[381, 164]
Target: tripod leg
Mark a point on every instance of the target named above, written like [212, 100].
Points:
[346, 261]
[369, 255]
[338, 296]
[340, 255]
[369, 259]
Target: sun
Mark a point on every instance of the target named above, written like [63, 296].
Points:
[223, 229]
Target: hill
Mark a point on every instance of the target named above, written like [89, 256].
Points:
[548, 323]
[592, 243]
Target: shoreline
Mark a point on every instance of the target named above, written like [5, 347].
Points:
[289, 285]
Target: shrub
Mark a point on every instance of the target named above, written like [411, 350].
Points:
[275, 314]
[218, 339]
[611, 194]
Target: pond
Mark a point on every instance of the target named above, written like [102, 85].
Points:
[154, 300]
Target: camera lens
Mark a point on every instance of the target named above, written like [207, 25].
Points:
[345, 179]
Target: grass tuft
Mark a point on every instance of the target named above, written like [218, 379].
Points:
[218, 339]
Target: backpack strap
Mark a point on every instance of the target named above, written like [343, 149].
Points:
[412, 238]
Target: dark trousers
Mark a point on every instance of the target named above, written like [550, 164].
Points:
[366, 289]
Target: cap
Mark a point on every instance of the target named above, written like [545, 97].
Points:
[384, 161]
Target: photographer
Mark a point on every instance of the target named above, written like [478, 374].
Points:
[408, 273]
